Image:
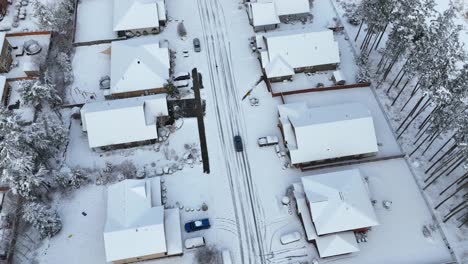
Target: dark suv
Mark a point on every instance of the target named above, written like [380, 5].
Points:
[238, 143]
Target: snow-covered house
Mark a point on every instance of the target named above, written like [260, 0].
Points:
[138, 67]
[4, 91]
[263, 16]
[317, 134]
[5, 53]
[332, 206]
[284, 53]
[267, 14]
[139, 17]
[124, 122]
[137, 225]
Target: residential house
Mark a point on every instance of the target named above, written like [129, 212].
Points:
[282, 54]
[124, 122]
[139, 17]
[318, 134]
[5, 54]
[332, 206]
[267, 14]
[138, 67]
[137, 225]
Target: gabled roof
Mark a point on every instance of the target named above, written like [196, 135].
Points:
[137, 14]
[278, 67]
[264, 14]
[303, 49]
[339, 201]
[326, 132]
[336, 244]
[131, 217]
[138, 65]
[124, 120]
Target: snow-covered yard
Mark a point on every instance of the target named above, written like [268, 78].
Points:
[90, 64]
[94, 20]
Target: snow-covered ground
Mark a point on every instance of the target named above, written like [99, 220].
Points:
[244, 201]
[90, 64]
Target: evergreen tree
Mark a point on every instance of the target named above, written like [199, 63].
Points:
[44, 219]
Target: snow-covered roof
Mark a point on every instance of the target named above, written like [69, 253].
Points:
[339, 201]
[138, 64]
[326, 132]
[173, 234]
[123, 121]
[336, 244]
[264, 14]
[137, 14]
[289, 7]
[278, 67]
[292, 7]
[301, 49]
[133, 227]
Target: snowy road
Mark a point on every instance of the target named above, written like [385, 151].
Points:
[230, 120]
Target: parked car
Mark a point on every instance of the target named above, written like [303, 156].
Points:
[197, 225]
[290, 237]
[268, 141]
[181, 84]
[194, 242]
[181, 76]
[238, 143]
[196, 45]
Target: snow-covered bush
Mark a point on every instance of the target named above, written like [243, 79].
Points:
[55, 15]
[36, 93]
[181, 30]
[364, 73]
[73, 179]
[64, 61]
[126, 168]
[42, 218]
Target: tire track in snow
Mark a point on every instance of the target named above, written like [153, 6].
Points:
[230, 123]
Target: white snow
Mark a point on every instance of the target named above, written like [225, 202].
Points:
[100, 26]
[138, 64]
[264, 14]
[136, 14]
[124, 120]
[325, 132]
[301, 49]
[339, 201]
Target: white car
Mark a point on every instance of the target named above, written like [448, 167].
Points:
[268, 141]
[194, 242]
[290, 238]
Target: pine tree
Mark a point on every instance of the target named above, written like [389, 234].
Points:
[44, 219]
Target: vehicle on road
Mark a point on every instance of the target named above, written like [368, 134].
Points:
[238, 143]
[196, 45]
[181, 76]
[197, 225]
[194, 242]
[268, 141]
[290, 238]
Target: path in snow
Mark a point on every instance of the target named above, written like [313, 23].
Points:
[248, 210]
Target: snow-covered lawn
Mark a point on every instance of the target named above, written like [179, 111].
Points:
[90, 64]
[94, 20]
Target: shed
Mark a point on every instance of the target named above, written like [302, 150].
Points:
[338, 78]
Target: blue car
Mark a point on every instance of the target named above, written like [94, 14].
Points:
[197, 225]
